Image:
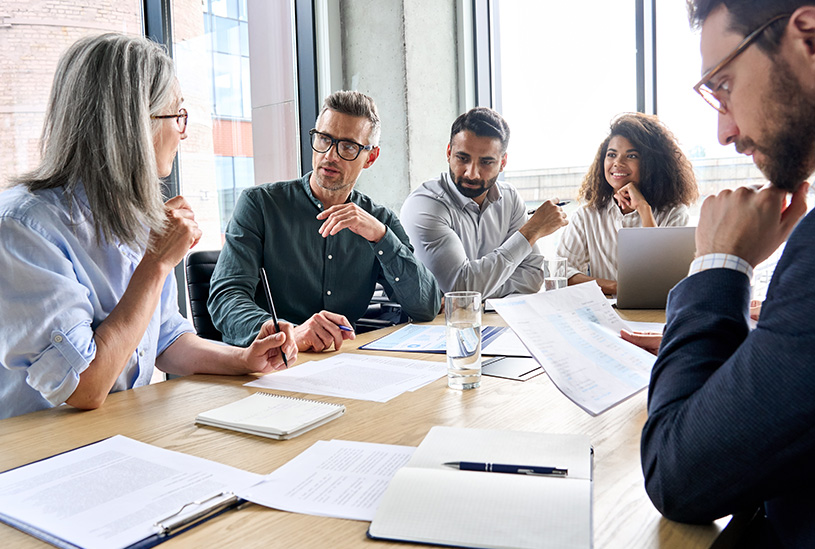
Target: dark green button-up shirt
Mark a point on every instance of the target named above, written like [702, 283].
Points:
[275, 226]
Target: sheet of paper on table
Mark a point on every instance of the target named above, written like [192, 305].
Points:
[350, 375]
[574, 334]
[415, 338]
[338, 478]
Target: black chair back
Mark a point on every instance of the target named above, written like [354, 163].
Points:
[199, 267]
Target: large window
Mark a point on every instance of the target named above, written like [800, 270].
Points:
[563, 77]
[211, 47]
[559, 89]
[212, 42]
[692, 120]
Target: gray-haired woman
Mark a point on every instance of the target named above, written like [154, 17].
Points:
[86, 286]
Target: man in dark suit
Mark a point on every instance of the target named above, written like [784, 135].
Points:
[731, 425]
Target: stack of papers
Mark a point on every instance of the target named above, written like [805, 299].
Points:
[575, 335]
[359, 377]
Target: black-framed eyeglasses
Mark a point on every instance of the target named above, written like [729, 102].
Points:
[703, 87]
[346, 149]
[180, 119]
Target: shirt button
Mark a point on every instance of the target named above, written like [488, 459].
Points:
[330, 256]
[396, 279]
[381, 252]
[57, 338]
[328, 292]
[141, 353]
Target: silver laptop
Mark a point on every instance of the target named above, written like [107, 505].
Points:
[650, 261]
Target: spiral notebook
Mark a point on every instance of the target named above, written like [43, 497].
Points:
[274, 416]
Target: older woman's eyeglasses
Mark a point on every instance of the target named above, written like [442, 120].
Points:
[180, 119]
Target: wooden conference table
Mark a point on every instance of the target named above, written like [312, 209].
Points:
[163, 415]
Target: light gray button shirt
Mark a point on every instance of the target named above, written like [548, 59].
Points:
[468, 247]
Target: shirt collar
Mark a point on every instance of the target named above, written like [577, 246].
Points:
[305, 181]
[493, 194]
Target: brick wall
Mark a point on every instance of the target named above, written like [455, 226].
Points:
[33, 34]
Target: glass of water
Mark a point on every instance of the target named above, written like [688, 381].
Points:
[462, 312]
[554, 275]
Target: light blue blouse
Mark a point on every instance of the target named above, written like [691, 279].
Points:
[57, 284]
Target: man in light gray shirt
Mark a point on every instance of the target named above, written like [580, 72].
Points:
[470, 230]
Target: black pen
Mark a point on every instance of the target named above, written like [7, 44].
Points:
[503, 468]
[561, 203]
[268, 291]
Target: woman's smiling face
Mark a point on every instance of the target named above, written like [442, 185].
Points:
[621, 163]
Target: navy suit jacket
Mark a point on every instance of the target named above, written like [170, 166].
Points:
[731, 411]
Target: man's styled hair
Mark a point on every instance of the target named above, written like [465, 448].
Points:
[98, 133]
[747, 15]
[666, 175]
[354, 103]
[483, 122]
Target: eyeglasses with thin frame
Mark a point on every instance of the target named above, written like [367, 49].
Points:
[180, 119]
[346, 149]
[703, 87]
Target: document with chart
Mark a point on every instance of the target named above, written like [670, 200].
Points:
[574, 333]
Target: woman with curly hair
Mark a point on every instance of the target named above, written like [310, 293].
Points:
[639, 178]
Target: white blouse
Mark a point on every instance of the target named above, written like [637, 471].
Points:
[589, 242]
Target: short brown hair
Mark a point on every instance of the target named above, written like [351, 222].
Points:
[354, 103]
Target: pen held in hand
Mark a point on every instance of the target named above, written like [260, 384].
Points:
[560, 203]
[504, 468]
[265, 281]
[345, 328]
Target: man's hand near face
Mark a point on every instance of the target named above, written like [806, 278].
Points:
[747, 223]
[352, 217]
[322, 330]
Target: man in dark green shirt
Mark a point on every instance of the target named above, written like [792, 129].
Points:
[323, 244]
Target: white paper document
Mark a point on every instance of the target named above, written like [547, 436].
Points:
[111, 493]
[341, 479]
[360, 377]
[414, 338]
[575, 335]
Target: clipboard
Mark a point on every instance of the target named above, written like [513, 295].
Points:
[102, 460]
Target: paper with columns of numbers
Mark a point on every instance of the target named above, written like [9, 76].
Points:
[574, 333]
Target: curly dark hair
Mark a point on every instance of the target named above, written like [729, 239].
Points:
[666, 175]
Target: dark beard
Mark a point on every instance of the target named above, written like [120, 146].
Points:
[790, 139]
[472, 192]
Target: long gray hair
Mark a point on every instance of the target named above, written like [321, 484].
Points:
[98, 133]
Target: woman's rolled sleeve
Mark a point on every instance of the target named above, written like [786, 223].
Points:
[54, 373]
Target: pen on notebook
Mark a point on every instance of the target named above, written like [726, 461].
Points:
[561, 203]
[268, 291]
[504, 468]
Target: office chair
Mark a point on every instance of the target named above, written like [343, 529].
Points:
[199, 267]
[381, 312]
